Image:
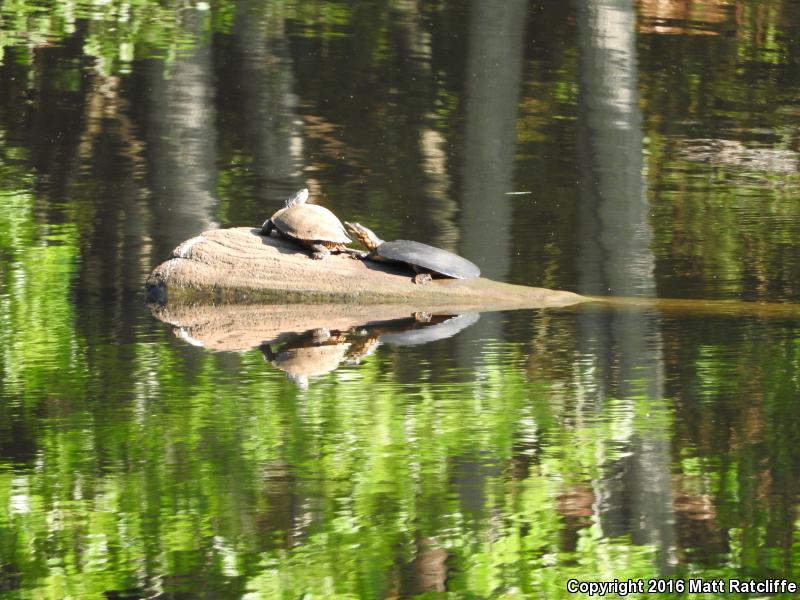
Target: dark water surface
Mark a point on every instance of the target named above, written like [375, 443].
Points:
[608, 147]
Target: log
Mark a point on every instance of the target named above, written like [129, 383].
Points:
[239, 265]
[234, 288]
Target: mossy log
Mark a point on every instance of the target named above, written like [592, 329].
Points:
[240, 265]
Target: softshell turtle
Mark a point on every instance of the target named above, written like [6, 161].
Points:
[424, 259]
[308, 224]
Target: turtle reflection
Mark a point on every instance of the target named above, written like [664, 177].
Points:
[309, 354]
[423, 331]
[319, 351]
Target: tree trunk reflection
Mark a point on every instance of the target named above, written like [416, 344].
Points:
[272, 134]
[494, 70]
[494, 73]
[622, 349]
[181, 139]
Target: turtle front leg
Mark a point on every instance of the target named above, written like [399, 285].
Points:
[320, 251]
[267, 227]
[421, 276]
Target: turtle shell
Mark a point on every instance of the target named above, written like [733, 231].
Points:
[310, 222]
[428, 258]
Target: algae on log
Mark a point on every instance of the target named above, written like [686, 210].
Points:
[240, 265]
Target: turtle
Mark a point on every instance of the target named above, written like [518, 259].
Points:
[424, 259]
[309, 225]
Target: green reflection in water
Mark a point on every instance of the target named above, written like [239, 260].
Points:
[147, 467]
[114, 32]
[192, 480]
[38, 265]
[199, 481]
[117, 32]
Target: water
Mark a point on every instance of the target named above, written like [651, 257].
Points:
[645, 150]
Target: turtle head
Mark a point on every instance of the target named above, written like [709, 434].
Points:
[299, 197]
[366, 237]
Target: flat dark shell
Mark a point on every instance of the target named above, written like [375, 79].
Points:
[429, 258]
